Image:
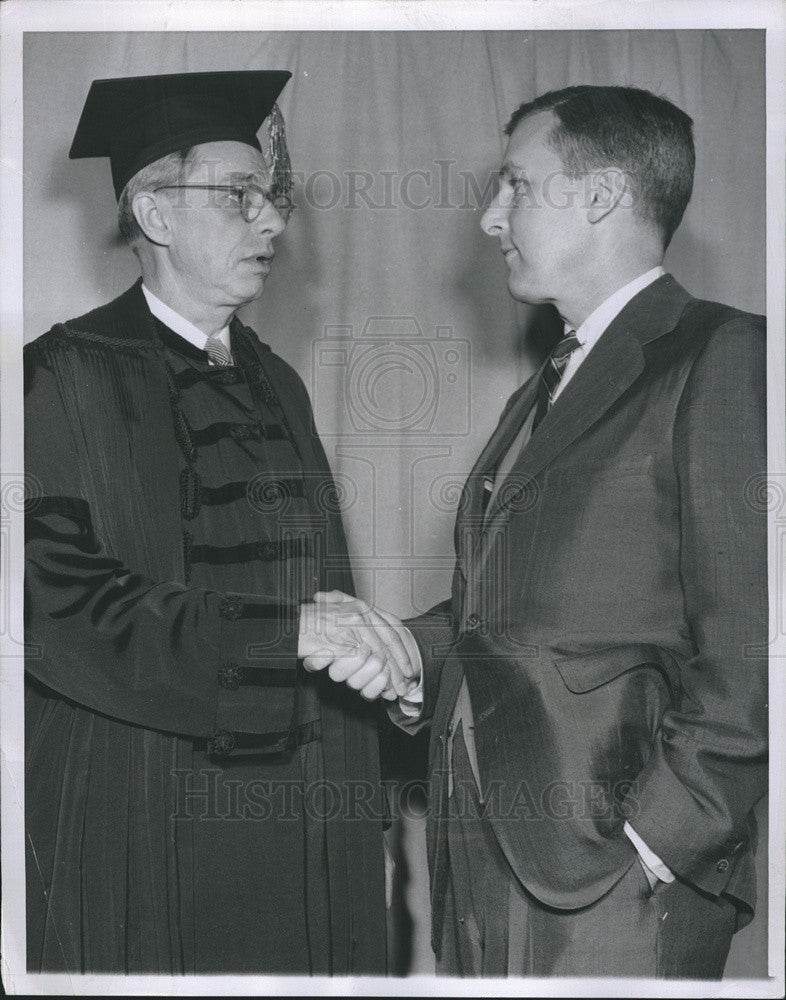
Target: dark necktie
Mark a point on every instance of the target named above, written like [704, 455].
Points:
[216, 351]
[552, 373]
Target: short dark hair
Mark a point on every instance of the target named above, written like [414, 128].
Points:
[646, 136]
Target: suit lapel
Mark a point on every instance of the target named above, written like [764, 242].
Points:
[470, 518]
[611, 367]
[608, 371]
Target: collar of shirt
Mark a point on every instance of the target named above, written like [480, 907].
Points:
[182, 327]
[590, 331]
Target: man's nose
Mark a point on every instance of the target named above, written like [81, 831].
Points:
[495, 218]
[269, 222]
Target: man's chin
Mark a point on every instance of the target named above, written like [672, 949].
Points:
[521, 292]
[254, 289]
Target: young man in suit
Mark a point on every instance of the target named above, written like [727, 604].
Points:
[597, 684]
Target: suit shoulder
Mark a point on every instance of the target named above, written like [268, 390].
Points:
[727, 354]
[711, 336]
[707, 320]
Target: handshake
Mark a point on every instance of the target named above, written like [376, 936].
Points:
[369, 650]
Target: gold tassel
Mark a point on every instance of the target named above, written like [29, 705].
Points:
[278, 153]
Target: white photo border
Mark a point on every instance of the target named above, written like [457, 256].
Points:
[21, 16]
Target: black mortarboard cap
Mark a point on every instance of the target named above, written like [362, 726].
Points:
[136, 120]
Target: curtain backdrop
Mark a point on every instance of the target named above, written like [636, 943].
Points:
[385, 295]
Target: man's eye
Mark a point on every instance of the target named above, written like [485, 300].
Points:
[507, 192]
[233, 195]
[229, 197]
[522, 192]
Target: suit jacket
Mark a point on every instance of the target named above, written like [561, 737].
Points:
[610, 613]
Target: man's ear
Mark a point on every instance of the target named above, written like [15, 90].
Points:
[609, 189]
[152, 218]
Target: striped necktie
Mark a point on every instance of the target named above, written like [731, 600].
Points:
[216, 351]
[555, 366]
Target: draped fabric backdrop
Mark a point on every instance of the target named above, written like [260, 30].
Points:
[385, 295]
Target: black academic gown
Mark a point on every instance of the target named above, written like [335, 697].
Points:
[195, 801]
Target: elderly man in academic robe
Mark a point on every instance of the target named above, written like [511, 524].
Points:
[195, 801]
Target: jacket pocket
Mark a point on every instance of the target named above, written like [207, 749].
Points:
[589, 669]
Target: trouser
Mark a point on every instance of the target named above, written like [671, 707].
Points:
[494, 927]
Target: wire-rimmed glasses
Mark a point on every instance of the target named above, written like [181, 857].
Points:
[251, 198]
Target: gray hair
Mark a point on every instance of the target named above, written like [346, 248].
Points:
[169, 169]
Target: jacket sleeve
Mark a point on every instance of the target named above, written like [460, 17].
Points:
[151, 652]
[709, 766]
[434, 634]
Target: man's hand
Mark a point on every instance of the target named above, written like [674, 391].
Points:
[369, 650]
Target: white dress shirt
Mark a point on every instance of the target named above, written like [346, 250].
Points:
[182, 327]
[588, 335]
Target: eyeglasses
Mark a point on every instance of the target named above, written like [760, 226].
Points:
[251, 198]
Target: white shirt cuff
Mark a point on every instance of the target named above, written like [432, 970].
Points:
[650, 859]
[411, 704]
